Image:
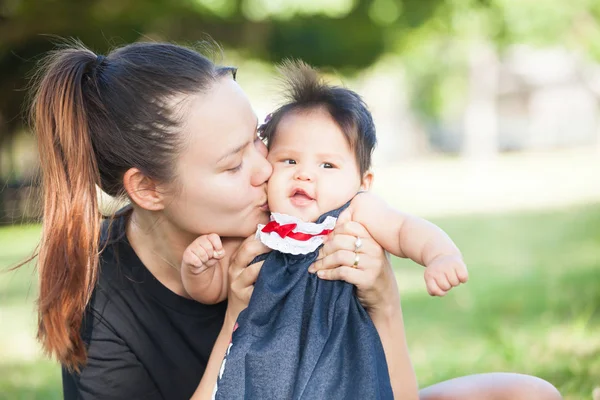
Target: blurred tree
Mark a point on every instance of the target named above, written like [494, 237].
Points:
[338, 34]
[438, 39]
[346, 34]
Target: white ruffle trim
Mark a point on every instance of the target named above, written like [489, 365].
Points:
[292, 246]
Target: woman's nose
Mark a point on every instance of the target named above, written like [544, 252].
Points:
[261, 147]
[262, 168]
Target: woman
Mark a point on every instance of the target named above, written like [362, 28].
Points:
[164, 126]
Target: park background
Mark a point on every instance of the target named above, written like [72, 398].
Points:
[488, 117]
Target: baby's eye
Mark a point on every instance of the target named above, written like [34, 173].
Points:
[327, 165]
[289, 161]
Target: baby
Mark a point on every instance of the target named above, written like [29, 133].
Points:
[320, 145]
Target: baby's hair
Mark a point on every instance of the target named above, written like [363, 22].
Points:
[305, 90]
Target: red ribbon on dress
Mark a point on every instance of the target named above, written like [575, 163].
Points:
[285, 230]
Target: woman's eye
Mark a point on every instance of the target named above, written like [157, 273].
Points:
[236, 168]
[327, 165]
[289, 162]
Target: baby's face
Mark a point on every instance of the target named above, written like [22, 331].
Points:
[314, 169]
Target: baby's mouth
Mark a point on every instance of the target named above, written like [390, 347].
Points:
[300, 198]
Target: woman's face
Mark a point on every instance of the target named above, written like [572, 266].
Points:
[222, 172]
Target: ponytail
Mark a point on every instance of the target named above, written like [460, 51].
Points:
[68, 252]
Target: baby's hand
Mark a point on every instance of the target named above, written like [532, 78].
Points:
[204, 252]
[445, 272]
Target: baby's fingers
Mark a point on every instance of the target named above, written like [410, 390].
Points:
[443, 282]
[192, 263]
[452, 278]
[348, 274]
[191, 259]
[462, 273]
[217, 246]
[433, 288]
[203, 248]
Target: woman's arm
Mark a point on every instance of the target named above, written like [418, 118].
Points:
[241, 278]
[209, 379]
[389, 322]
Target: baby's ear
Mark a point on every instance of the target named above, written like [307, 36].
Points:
[367, 181]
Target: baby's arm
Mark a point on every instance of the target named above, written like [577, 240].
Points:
[204, 268]
[408, 236]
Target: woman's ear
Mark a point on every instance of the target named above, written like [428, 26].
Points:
[367, 181]
[142, 190]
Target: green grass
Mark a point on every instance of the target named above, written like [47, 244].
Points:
[531, 305]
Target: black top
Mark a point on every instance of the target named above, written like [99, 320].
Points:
[144, 341]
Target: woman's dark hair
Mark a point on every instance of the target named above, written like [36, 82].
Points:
[95, 117]
[305, 90]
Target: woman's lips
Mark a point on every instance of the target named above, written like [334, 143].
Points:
[265, 206]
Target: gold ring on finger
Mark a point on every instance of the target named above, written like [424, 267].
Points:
[356, 260]
[357, 244]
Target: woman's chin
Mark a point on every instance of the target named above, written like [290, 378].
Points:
[263, 218]
[248, 226]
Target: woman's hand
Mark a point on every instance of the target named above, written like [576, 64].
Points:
[242, 276]
[373, 277]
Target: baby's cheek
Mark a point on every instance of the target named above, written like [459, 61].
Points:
[336, 193]
[275, 190]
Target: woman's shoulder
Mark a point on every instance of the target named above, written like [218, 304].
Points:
[118, 271]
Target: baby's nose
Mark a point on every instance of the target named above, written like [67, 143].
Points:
[303, 175]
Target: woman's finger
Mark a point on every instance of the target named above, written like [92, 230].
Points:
[334, 260]
[346, 246]
[347, 274]
[351, 228]
[347, 242]
[248, 250]
[344, 216]
[249, 275]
